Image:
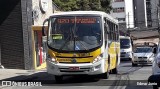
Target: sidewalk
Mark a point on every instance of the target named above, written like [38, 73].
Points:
[11, 73]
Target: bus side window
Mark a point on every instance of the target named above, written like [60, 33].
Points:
[109, 31]
[106, 31]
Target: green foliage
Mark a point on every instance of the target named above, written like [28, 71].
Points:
[73, 5]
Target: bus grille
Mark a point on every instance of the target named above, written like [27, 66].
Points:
[80, 70]
[73, 63]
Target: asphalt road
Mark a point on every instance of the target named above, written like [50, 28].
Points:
[128, 77]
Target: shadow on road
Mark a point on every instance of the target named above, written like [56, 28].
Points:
[82, 80]
[47, 79]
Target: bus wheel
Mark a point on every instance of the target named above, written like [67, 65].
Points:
[133, 64]
[58, 79]
[105, 75]
[114, 71]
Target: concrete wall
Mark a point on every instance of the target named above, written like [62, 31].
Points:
[154, 14]
[139, 13]
[40, 16]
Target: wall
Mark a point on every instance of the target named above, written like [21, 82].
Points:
[129, 13]
[120, 14]
[139, 13]
[39, 47]
[11, 34]
[40, 17]
[154, 12]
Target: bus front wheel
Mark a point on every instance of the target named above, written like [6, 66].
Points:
[105, 75]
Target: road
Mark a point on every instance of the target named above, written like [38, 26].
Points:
[127, 78]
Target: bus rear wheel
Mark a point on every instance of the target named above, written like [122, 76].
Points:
[58, 79]
[114, 71]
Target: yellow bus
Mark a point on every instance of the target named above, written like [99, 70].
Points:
[82, 42]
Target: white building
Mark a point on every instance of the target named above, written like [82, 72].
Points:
[123, 11]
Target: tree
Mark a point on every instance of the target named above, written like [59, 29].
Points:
[73, 5]
[66, 5]
[106, 5]
[83, 5]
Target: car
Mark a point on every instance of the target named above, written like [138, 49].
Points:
[144, 55]
[155, 77]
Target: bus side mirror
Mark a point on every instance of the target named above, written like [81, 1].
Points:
[44, 31]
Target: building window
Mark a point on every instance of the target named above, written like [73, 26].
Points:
[118, 0]
[118, 10]
[121, 19]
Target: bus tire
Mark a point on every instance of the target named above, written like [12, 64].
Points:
[114, 71]
[58, 79]
[105, 75]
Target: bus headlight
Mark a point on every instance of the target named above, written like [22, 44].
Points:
[98, 58]
[51, 59]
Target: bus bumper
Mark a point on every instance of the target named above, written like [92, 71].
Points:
[75, 69]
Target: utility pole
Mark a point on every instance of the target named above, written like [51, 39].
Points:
[128, 21]
[128, 26]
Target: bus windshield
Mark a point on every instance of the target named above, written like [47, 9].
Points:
[75, 33]
[125, 43]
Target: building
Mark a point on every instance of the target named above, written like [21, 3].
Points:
[146, 13]
[123, 11]
[20, 32]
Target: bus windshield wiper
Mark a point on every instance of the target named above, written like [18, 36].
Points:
[75, 37]
[67, 40]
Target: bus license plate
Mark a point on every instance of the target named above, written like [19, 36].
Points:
[74, 68]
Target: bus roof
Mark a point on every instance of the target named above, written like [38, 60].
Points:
[110, 18]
